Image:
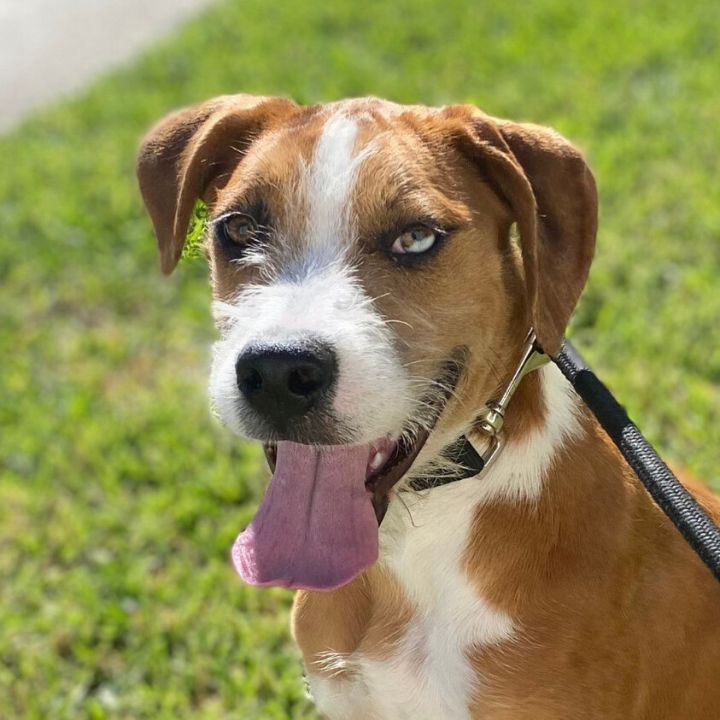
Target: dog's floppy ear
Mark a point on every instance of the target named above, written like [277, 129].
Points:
[552, 194]
[191, 154]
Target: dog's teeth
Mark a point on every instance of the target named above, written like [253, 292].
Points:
[377, 460]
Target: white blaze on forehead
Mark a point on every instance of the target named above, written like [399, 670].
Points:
[329, 183]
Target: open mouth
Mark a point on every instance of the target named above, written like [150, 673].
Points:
[389, 459]
[317, 526]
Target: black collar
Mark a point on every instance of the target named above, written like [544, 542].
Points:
[467, 460]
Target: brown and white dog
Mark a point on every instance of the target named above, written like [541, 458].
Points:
[376, 269]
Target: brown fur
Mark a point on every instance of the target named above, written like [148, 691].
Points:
[611, 600]
[619, 619]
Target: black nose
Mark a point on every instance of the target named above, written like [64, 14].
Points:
[282, 383]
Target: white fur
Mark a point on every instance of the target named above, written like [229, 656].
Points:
[329, 183]
[340, 699]
[371, 395]
[316, 296]
[422, 541]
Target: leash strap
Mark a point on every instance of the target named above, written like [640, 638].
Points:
[675, 501]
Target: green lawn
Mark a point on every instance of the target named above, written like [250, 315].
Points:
[120, 496]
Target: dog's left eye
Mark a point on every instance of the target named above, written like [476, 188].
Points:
[414, 241]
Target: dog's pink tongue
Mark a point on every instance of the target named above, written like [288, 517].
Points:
[316, 528]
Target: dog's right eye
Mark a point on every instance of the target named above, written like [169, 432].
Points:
[235, 231]
[239, 228]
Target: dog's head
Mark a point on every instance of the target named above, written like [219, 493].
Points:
[376, 268]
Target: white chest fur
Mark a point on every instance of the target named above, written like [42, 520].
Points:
[429, 676]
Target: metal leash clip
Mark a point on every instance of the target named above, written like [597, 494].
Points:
[492, 418]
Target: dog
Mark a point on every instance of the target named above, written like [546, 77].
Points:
[376, 269]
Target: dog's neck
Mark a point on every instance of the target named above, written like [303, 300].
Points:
[550, 504]
[545, 422]
[544, 416]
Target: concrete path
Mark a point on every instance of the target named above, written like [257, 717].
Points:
[52, 48]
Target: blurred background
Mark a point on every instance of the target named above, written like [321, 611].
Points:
[119, 495]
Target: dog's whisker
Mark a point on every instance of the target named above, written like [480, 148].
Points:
[391, 321]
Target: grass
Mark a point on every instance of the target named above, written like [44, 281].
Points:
[120, 497]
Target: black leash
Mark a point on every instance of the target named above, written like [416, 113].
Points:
[668, 492]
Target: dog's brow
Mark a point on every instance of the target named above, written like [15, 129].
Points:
[255, 193]
[411, 204]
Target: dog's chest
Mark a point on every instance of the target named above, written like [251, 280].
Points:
[418, 667]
